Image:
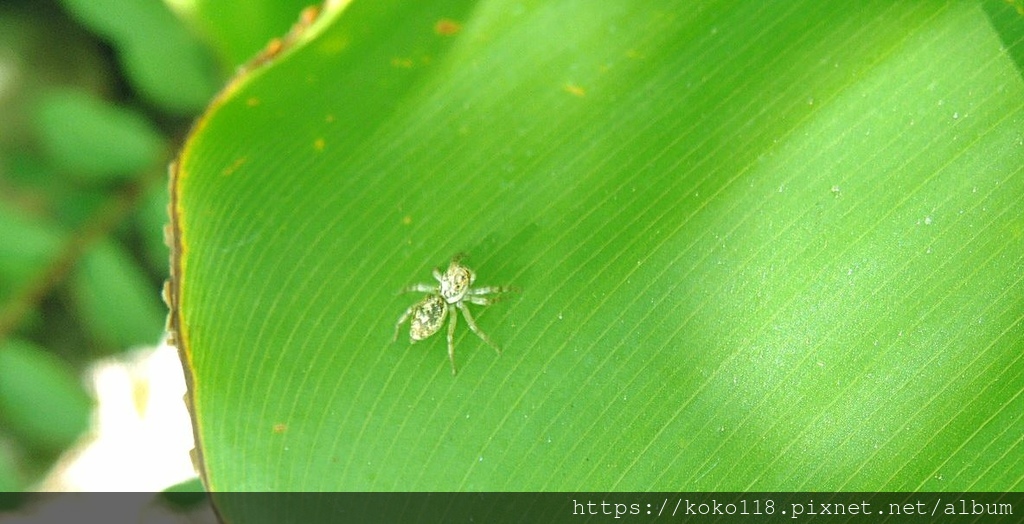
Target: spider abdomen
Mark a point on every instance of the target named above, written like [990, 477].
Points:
[427, 317]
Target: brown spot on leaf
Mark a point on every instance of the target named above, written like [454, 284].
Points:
[274, 47]
[318, 144]
[280, 428]
[447, 27]
[308, 16]
[252, 101]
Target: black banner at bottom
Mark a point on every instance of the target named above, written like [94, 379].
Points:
[240, 508]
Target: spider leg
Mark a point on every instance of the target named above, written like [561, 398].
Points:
[451, 340]
[419, 288]
[437, 274]
[401, 320]
[479, 295]
[473, 326]
[488, 290]
[480, 301]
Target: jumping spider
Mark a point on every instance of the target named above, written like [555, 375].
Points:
[453, 289]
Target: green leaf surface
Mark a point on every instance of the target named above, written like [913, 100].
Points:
[42, 402]
[757, 247]
[94, 140]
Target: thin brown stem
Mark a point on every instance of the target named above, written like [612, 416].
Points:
[98, 226]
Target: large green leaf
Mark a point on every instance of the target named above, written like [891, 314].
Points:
[758, 247]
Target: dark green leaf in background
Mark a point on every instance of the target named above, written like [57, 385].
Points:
[95, 140]
[41, 50]
[114, 300]
[185, 495]
[162, 59]
[27, 244]
[41, 400]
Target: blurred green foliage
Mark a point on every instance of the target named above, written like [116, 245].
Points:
[164, 61]
[40, 397]
[85, 136]
[94, 97]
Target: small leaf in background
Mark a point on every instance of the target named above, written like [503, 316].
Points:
[42, 402]
[26, 244]
[41, 49]
[96, 140]
[172, 69]
[185, 495]
[239, 29]
[114, 300]
[164, 61]
[75, 209]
